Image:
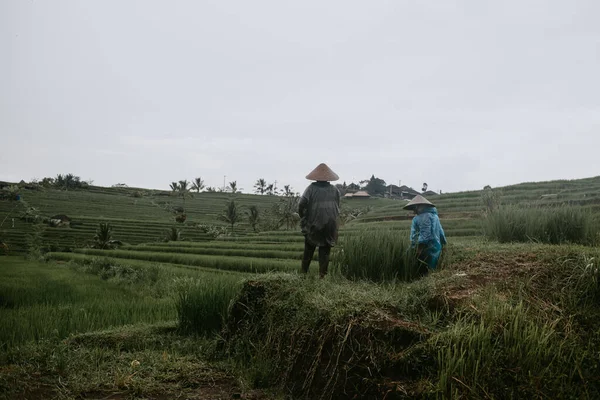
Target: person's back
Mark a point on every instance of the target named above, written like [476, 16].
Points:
[428, 227]
[319, 209]
[426, 232]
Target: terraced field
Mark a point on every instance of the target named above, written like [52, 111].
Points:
[134, 220]
[141, 222]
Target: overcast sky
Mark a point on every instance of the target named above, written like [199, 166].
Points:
[458, 94]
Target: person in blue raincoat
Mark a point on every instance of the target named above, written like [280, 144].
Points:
[426, 232]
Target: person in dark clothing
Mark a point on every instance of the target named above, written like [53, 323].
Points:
[319, 209]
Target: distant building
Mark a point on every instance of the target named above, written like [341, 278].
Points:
[429, 193]
[361, 194]
[400, 192]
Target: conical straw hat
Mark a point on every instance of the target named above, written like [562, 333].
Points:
[418, 200]
[322, 173]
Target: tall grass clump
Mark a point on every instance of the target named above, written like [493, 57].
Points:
[377, 256]
[556, 225]
[202, 304]
[504, 351]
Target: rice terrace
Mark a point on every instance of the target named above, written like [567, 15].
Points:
[128, 293]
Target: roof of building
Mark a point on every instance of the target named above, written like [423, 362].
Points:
[402, 189]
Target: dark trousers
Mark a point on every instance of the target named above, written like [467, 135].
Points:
[309, 251]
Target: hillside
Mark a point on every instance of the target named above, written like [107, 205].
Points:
[143, 216]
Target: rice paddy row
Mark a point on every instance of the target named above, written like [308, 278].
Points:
[49, 301]
[231, 263]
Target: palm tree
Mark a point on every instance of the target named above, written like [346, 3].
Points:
[103, 236]
[288, 212]
[269, 189]
[233, 187]
[260, 186]
[183, 191]
[173, 235]
[174, 187]
[288, 191]
[184, 185]
[231, 214]
[253, 217]
[198, 184]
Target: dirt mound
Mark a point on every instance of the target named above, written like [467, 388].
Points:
[469, 277]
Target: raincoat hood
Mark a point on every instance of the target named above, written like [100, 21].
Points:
[430, 210]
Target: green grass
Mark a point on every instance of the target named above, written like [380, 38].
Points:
[228, 245]
[516, 337]
[555, 225]
[141, 361]
[241, 252]
[179, 268]
[383, 255]
[533, 324]
[202, 304]
[243, 264]
[41, 301]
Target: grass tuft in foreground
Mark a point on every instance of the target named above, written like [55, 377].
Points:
[202, 303]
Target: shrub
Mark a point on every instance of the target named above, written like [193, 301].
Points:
[491, 199]
[213, 230]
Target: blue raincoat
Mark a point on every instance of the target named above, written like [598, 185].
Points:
[426, 232]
